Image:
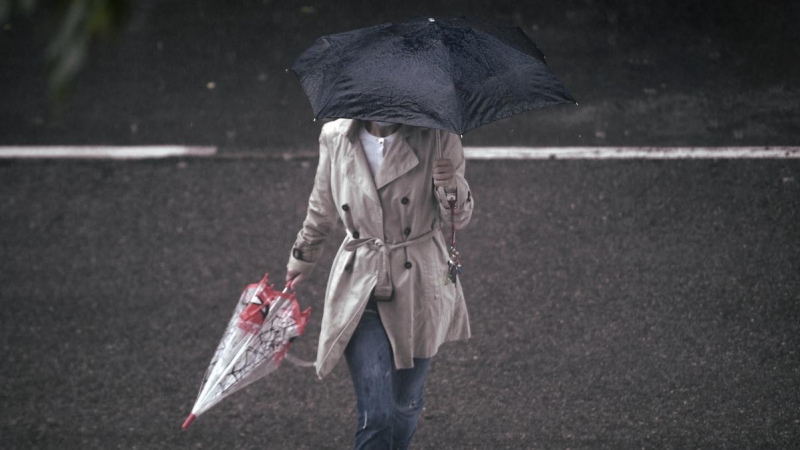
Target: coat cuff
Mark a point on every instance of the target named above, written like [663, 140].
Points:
[299, 265]
[303, 256]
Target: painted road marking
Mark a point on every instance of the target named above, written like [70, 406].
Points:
[104, 152]
[631, 152]
[475, 153]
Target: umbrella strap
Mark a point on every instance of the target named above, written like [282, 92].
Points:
[451, 201]
[452, 223]
[297, 361]
[454, 263]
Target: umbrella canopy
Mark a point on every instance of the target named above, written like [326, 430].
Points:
[254, 344]
[448, 73]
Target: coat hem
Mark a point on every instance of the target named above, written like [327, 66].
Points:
[320, 364]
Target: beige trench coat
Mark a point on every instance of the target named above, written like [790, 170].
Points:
[394, 241]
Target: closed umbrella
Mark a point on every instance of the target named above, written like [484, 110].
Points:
[254, 344]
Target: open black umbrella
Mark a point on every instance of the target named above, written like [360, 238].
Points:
[448, 73]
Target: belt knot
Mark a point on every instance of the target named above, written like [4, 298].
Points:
[383, 286]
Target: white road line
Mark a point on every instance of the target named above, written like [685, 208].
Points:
[104, 152]
[479, 153]
[631, 152]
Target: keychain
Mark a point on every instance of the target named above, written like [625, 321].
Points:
[454, 263]
[453, 267]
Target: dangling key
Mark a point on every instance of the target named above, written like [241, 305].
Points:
[453, 265]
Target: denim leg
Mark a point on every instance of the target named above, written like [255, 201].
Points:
[369, 358]
[408, 385]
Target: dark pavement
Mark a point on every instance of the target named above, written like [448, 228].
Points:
[614, 304]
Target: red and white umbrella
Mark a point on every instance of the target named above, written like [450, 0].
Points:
[254, 344]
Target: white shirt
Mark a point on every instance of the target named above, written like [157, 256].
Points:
[374, 148]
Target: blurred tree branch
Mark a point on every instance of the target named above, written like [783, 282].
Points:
[78, 24]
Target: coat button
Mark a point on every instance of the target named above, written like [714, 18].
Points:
[345, 208]
[348, 268]
[404, 200]
[407, 231]
[409, 265]
[356, 235]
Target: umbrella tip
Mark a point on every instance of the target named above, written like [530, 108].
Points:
[188, 421]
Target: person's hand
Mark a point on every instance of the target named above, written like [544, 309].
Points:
[294, 279]
[444, 174]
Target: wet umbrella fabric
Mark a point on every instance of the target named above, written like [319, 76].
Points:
[452, 74]
[263, 325]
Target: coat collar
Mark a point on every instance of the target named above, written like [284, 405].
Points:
[400, 159]
[355, 166]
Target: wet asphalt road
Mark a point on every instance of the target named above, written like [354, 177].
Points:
[614, 305]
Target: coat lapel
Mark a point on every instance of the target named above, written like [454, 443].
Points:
[399, 159]
[355, 165]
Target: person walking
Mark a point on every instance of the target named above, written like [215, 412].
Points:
[390, 302]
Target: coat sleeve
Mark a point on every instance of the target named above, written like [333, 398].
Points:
[321, 216]
[451, 149]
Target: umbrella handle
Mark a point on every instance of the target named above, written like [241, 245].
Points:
[438, 146]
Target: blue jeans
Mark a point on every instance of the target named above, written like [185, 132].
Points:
[389, 401]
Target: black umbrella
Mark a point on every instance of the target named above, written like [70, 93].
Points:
[450, 73]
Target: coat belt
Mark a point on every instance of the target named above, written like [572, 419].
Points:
[383, 288]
